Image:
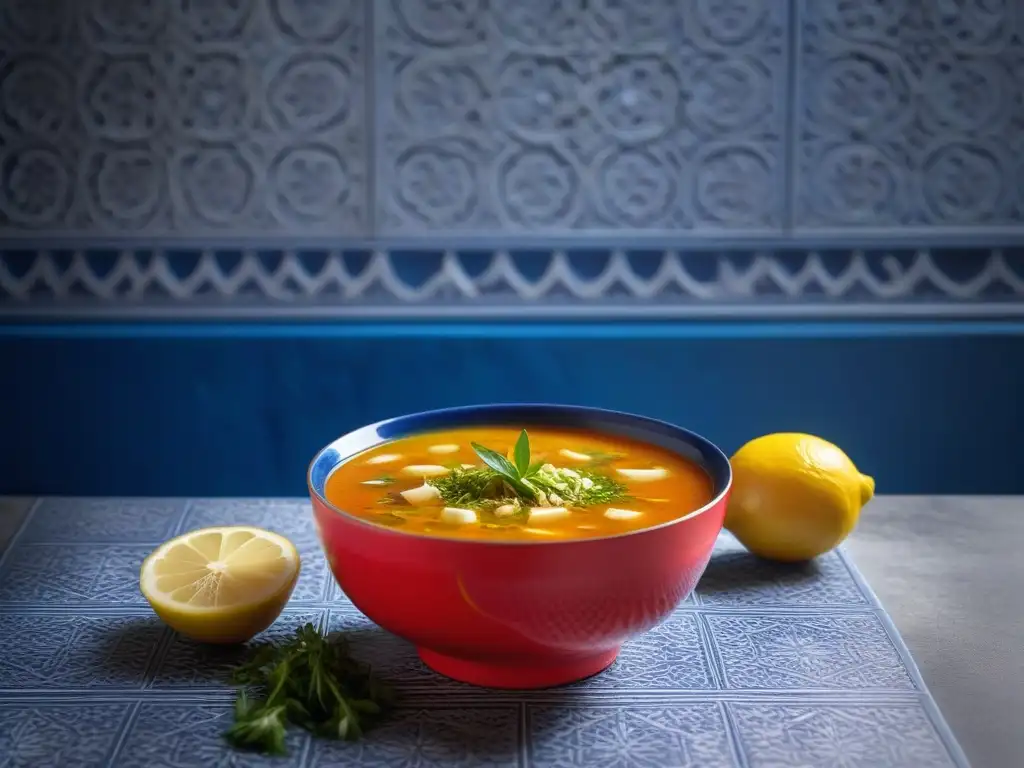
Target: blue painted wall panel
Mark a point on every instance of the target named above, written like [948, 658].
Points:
[239, 411]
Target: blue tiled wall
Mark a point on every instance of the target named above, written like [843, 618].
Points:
[407, 118]
[346, 165]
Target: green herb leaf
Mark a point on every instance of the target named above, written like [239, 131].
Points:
[533, 469]
[522, 454]
[309, 681]
[496, 461]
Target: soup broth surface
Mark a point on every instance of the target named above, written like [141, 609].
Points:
[572, 485]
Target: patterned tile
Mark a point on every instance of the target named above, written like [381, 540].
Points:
[734, 577]
[671, 656]
[120, 521]
[677, 735]
[850, 735]
[910, 115]
[142, 118]
[187, 664]
[68, 734]
[806, 652]
[536, 116]
[148, 697]
[53, 652]
[190, 735]
[75, 575]
[477, 737]
[293, 519]
[393, 658]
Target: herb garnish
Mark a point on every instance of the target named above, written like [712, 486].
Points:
[309, 681]
[523, 483]
[516, 475]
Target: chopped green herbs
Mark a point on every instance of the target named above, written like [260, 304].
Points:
[522, 484]
[309, 681]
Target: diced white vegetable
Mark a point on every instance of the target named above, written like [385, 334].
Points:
[587, 483]
[644, 475]
[469, 466]
[505, 510]
[384, 458]
[569, 473]
[457, 516]
[538, 532]
[621, 514]
[425, 470]
[446, 448]
[573, 455]
[423, 496]
[374, 482]
[541, 515]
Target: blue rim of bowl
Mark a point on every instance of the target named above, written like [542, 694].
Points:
[641, 428]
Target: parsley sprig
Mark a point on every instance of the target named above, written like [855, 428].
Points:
[309, 681]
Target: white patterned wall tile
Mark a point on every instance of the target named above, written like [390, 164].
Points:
[143, 118]
[543, 116]
[909, 114]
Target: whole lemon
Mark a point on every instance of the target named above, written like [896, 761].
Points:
[794, 496]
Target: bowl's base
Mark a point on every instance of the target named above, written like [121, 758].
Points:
[518, 675]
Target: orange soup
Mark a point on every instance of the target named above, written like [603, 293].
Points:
[519, 485]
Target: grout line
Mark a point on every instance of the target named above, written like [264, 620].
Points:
[370, 118]
[523, 734]
[709, 648]
[791, 122]
[122, 736]
[732, 733]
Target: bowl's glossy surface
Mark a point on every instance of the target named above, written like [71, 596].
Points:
[519, 614]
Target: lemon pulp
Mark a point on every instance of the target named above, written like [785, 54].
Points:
[221, 585]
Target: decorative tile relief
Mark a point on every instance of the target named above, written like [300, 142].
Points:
[73, 575]
[744, 677]
[678, 735]
[175, 734]
[807, 652]
[550, 117]
[910, 114]
[42, 652]
[734, 578]
[68, 734]
[187, 664]
[147, 118]
[101, 521]
[472, 737]
[851, 735]
[604, 281]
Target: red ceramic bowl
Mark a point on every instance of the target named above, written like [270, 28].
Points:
[519, 614]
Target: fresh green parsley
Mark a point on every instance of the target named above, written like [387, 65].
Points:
[308, 681]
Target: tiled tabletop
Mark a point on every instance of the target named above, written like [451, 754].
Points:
[764, 666]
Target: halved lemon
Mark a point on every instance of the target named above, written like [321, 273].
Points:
[221, 585]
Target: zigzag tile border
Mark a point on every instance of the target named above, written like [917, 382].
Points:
[386, 282]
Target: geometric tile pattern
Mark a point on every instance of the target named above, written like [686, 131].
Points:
[601, 281]
[764, 665]
[416, 118]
